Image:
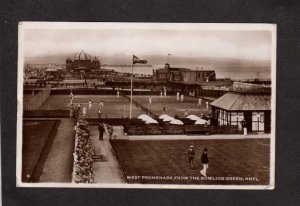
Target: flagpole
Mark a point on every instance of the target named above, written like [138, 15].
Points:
[168, 58]
[130, 108]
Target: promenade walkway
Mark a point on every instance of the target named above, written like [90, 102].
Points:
[195, 137]
[58, 165]
[107, 171]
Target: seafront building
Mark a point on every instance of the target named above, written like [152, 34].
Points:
[82, 62]
[183, 75]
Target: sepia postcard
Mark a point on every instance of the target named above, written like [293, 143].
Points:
[146, 105]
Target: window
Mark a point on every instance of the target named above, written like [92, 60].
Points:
[162, 76]
[234, 118]
[262, 117]
[258, 121]
[177, 78]
[223, 118]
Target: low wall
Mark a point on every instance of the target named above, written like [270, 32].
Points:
[138, 127]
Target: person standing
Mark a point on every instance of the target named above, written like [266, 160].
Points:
[118, 94]
[101, 104]
[204, 162]
[164, 107]
[90, 104]
[99, 113]
[182, 98]
[199, 102]
[84, 111]
[191, 155]
[79, 108]
[177, 96]
[161, 94]
[110, 131]
[186, 113]
[71, 97]
[101, 131]
[150, 100]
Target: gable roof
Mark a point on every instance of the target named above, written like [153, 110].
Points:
[240, 102]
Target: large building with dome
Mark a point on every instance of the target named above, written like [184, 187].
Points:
[82, 62]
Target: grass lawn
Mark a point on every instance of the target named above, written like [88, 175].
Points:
[37, 139]
[114, 107]
[173, 106]
[165, 158]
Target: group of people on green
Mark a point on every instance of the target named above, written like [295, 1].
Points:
[204, 159]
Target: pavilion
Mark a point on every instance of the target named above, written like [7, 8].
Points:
[251, 105]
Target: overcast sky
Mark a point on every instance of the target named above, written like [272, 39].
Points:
[231, 44]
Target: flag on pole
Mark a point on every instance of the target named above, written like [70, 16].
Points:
[136, 60]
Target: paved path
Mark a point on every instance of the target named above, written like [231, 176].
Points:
[59, 163]
[109, 170]
[190, 137]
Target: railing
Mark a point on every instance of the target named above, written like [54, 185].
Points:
[145, 109]
[47, 113]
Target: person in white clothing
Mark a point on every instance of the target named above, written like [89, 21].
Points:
[186, 113]
[101, 104]
[99, 113]
[199, 102]
[90, 104]
[84, 111]
[150, 100]
[182, 98]
[71, 98]
[177, 97]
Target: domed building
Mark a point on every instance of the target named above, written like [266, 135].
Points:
[82, 62]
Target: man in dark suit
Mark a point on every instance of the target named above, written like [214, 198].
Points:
[204, 162]
[101, 131]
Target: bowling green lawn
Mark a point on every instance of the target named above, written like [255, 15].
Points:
[36, 138]
[231, 161]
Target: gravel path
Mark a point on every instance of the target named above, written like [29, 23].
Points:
[108, 171]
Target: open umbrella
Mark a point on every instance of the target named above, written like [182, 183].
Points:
[176, 121]
[193, 117]
[200, 121]
[143, 116]
[163, 116]
[168, 119]
[151, 121]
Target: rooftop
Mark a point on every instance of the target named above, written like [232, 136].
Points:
[243, 101]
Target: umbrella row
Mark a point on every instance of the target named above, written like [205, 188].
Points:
[167, 118]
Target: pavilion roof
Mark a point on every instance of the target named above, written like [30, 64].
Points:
[243, 101]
